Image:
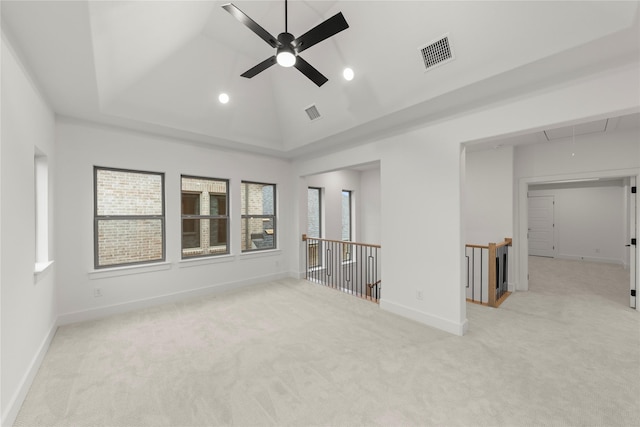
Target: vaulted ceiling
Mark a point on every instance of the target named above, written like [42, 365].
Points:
[159, 66]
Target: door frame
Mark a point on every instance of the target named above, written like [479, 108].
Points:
[632, 223]
[520, 244]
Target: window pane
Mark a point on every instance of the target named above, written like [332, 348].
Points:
[218, 233]
[129, 241]
[346, 215]
[41, 169]
[204, 237]
[258, 199]
[128, 193]
[218, 204]
[259, 233]
[190, 204]
[268, 200]
[191, 233]
[313, 212]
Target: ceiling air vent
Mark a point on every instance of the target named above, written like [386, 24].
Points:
[312, 112]
[437, 52]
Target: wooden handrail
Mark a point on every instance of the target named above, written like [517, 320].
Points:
[507, 242]
[468, 245]
[346, 242]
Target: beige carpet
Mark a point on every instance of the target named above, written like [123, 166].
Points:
[291, 353]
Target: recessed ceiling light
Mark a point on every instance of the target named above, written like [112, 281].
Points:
[223, 98]
[348, 74]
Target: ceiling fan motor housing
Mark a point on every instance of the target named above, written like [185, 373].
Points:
[285, 39]
[285, 53]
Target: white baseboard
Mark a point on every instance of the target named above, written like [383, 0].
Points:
[100, 312]
[590, 259]
[425, 318]
[15, 402]
[297, 274]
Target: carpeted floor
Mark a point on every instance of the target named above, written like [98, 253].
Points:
[290, 353]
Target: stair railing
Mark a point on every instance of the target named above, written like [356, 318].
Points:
[488, 272]
[351, 267]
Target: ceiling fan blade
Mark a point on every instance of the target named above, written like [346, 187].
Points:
[251, 24]
[260, 67]
[308, 70]
[320, 32]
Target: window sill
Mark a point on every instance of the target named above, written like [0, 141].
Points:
[195, 262]
[260, 254]
[127, 270]
[41, 267]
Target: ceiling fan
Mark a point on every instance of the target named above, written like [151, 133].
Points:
[287, 46]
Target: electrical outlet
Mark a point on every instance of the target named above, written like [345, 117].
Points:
[97, 292]
[419, 295]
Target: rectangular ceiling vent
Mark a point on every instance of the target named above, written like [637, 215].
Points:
[313, 113]
[437, 53]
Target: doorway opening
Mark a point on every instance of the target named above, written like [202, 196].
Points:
[584, 228]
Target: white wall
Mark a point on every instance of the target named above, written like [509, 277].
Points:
[369, 206]
[612, 150]
[28, 301]
[589, 220]
[489, 195]
[80, 146]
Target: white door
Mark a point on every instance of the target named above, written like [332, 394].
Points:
[633, 251]
[540, 230]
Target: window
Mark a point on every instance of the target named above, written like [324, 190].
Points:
[314, 226]
[205, 216]
[128, 217]
[347, 234]
[41, 179]
[258, 216]
[347, 225]
[314, 210]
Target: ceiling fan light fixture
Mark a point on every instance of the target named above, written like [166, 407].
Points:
[223, 98]
[286, 57]
[287, 46]
[348, 74]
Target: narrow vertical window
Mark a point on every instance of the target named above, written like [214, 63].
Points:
[314, 209]
[129, 217]
[258, 216]
[347, 224]
[41, 180]
[314, 225]
[205, 216]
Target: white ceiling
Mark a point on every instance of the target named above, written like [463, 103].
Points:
[621, 123]
[159, 66]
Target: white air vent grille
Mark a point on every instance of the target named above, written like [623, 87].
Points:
[312, 112]
[437, 52]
